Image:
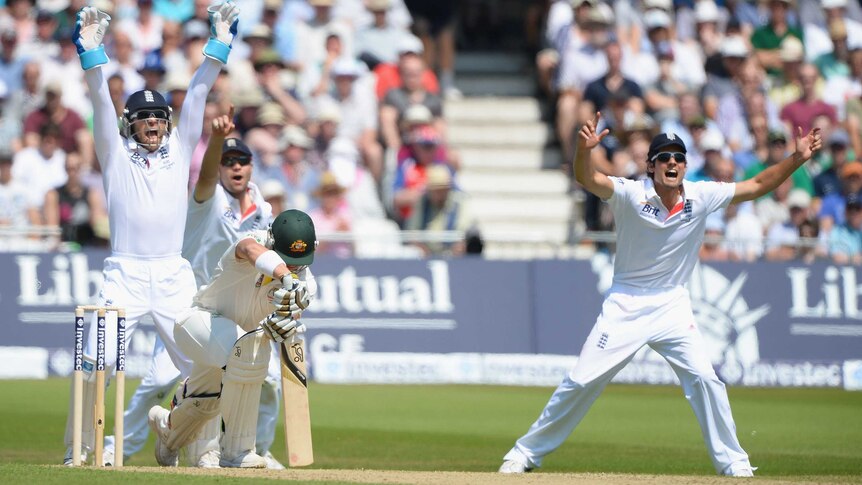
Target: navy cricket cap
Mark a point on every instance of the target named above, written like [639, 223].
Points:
[235, 145]
[662, 141]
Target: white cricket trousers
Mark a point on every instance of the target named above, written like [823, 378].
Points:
[630, 319]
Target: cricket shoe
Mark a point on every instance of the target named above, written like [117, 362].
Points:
[514, 467]
[248, 459]
[67, 459]
[210, 459]
[740, 470]
[158, 421]
[272, 463]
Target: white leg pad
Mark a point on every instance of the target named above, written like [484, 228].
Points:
[240, 397]
[189, 414]
[206, 440]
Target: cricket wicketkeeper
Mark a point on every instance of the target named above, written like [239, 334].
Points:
[227, 334]
[145, 167]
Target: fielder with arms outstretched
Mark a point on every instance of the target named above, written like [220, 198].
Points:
[145, 168]
[660, 224]
[227, 334]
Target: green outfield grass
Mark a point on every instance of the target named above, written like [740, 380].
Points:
[631, 429]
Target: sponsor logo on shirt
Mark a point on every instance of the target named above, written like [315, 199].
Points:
[648, 209]
[139, 160]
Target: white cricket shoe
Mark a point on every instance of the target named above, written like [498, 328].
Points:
[210, 459]
[513, 466]
[740, 470]
[158, 421]
[67, 459]
[108, 457]
[272, 463]
[248, 459]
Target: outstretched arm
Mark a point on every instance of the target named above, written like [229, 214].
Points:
[596, 182]
[767, 180]
[223, 25]
[205, 187]
[90, 29]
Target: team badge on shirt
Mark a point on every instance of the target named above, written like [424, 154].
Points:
[686, 211]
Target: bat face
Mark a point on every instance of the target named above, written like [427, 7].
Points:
[297, 416]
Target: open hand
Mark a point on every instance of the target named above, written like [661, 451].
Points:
[809, 144]
[587, 137]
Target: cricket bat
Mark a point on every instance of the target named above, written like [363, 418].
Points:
[294, 397]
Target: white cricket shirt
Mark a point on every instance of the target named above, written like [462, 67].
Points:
[213, 225]
[147, 193]
[658, 247]
[239, 292]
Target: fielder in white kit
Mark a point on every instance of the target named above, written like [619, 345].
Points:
[660, 224]
[145, 166]
[228, 332]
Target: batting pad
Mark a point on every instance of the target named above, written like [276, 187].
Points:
[188, 417]
[206, 440]
[240, 396]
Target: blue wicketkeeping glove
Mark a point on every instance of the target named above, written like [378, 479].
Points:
[223, 25]
[90, 29]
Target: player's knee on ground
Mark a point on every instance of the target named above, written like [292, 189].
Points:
[189, 414]
[244, 374]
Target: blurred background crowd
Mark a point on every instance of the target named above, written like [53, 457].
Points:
[342, 104]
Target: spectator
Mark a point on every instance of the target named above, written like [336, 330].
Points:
[566, 31]
[766, 39]
[808, 249]
[733, 52]
[716, 166]
[843, 73]
[782, 240]
[342, 158]
[411, 176]
[42, 45]
[828, 181]
[690, 126]
[117, 91]
[803, 111]
[379, 42]
[435, 24]
[125, 62]
[773, 210]
[41, 168]
[74, 135]
[388, 74]
[358, 113]
[787, 87]
[176, 86]
[712, 248]
[845, 240]
[16, 205]
[146, 27]
[332, 216]
[269, 71]
[153, 72]
[599, 92]
[397, 100]
[327, 117]
[10, 124]
[75, 209]
[833, 205]
[440, 208]
[759, 150]
[685, 64]
[264, 139]
[29, 98]
[298, 177]
[273, 193]
[743, 234]
[311, 37]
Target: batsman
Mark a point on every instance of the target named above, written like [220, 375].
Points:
[258, 292]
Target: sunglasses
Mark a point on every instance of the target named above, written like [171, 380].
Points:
[230, 161]
[145, 114]
[665, 157]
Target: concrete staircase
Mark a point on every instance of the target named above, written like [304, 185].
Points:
[518, 194]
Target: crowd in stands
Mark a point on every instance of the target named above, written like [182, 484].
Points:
[735, 80]
[341, 102]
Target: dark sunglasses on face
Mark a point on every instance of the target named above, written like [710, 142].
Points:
[158, 114]
[665, 157]
[229, 161]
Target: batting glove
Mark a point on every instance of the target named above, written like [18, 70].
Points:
[291, 303]
[223, 27]
[90, 29]
[281, 328]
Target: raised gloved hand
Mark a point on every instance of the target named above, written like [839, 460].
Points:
[223, 27]
[281, 328]
[90, 29]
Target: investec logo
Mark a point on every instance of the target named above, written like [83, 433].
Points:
[349, 292]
